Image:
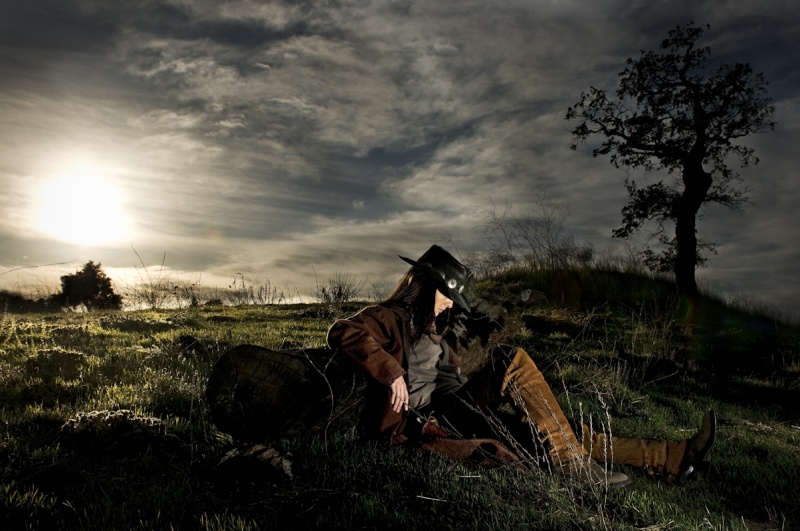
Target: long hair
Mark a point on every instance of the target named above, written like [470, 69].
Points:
[415, 293]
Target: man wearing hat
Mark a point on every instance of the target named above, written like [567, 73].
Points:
[414, 376]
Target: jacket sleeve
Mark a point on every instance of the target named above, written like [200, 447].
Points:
[365, 338]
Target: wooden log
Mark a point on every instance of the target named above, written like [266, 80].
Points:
[256, 393]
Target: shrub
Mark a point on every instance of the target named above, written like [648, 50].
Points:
[90, 287]
[340, 289]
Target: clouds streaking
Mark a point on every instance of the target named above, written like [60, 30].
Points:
[284, 136]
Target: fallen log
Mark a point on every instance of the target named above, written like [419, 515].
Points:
[256, 393]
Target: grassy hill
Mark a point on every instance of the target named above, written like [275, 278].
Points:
[104, 423]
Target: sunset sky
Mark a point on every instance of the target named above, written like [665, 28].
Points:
[294, 139]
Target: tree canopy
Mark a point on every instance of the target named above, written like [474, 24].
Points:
[91, 287]
[674, 111]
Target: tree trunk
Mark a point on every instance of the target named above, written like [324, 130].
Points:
[686, 255]
[696, 184]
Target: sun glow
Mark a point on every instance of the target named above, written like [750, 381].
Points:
[82, 208]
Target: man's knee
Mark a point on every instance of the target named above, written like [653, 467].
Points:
[506, 356]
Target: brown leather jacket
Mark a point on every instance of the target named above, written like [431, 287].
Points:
[377, 339]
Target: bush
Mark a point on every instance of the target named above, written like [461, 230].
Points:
[341, 288]
[90, 287]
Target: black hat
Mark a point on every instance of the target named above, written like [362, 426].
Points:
[450, 275]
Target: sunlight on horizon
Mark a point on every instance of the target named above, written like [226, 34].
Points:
[81, 207]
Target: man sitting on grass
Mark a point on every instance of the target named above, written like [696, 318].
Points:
[414, 376]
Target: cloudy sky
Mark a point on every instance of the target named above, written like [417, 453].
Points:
[291, 139]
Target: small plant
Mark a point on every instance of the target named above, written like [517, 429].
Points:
[341, 288]
[185, 294]
[152, 291]
[253, 289]
[534, 240]
[25, 504]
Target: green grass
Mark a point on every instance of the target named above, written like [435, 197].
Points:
[630, 356]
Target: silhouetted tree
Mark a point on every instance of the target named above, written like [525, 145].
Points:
[674, 112]
[91, 287]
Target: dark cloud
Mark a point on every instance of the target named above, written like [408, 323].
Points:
[281, 135]
[52, 26]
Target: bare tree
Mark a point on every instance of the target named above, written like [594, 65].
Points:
[537, 239]
[341, 288]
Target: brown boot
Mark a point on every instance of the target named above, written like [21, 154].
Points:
[672, 459]
[589, 470]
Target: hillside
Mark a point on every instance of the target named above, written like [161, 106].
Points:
[105, 424]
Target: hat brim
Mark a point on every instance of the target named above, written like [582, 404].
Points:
[434, 275]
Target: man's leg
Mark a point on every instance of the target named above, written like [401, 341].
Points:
[512, 375]
[668, 458]
[524, 383]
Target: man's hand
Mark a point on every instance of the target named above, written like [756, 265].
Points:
[399, 397]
